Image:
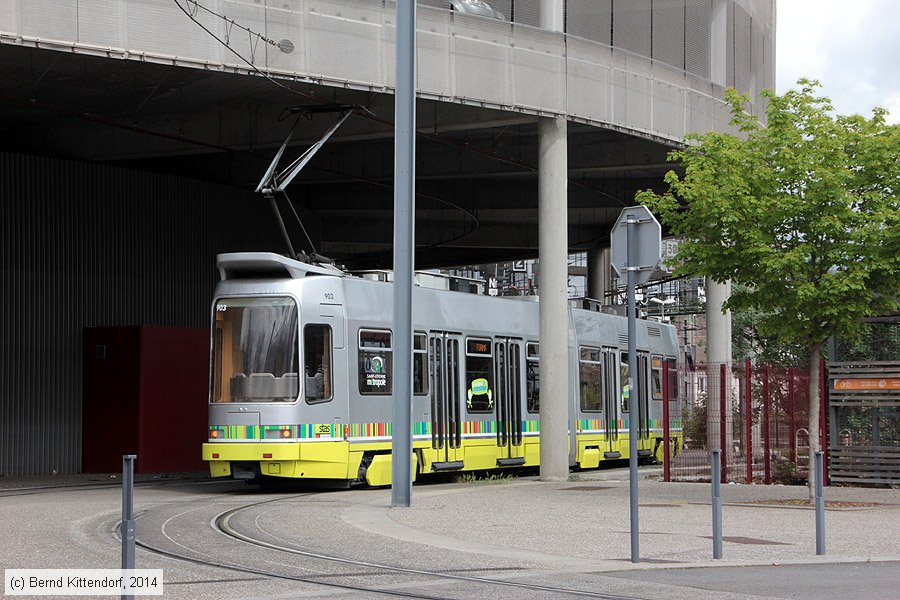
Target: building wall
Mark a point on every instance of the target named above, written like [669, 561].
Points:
[90, 245]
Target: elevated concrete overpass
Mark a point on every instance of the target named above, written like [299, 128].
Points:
[140, 83]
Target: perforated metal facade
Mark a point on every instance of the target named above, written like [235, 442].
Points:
[644, 66]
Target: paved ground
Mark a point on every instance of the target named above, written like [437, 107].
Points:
[462, 540]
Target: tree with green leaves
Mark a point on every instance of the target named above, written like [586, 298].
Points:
[747, 342]
[802, 212]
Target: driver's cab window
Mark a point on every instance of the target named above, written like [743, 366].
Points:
[255, 351]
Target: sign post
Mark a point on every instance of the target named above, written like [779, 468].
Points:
[404, 251]
[128, 525]
[635, 252]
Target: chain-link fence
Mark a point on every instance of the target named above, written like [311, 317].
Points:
[757, 415]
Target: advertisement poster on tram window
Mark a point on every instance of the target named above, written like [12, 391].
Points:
[375, 372]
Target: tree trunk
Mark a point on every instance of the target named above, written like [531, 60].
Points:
[815, 361]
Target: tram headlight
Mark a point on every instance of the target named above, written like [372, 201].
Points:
[214, 433]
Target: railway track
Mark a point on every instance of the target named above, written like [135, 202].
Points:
[95, 485]
[348, 568]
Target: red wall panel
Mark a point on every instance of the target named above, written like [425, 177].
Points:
[145, 393]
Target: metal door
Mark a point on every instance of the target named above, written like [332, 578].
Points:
[446, 424]
[508, 404]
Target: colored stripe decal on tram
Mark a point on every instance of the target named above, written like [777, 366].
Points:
[358, 430]
[308, 431]
[235, 432]
[621, 424]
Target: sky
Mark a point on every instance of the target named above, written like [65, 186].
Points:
[851, 46]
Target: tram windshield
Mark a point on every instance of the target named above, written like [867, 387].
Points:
[255, 352]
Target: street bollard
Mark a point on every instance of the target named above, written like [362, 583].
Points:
[820, 502]
[128, 515]
[715, 470]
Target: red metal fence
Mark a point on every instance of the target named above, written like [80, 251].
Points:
[757, 415]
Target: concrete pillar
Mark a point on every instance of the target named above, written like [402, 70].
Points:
[718, 43]
[599, 277]
[552, 251]
[553, 15]
[553, 248]
[718, 351]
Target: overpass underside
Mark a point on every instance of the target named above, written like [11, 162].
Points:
[476, 169]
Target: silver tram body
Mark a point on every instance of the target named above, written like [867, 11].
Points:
[301, 377]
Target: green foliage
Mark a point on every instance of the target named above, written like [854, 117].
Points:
[879, 342]
[802, 213]
[747, 342]
[784, 472]
[484, 477]
[857, 425]
[694, 423]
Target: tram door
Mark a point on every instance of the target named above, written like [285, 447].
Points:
[636, 402]
[610, 397]
[643, 400]
[446, 424]
[508, 401]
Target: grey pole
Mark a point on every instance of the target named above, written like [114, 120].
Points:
[715, 476]
[128, 514]
[820, 502]
[404, 251]
[632, 390]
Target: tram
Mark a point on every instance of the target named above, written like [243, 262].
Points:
[302, 375]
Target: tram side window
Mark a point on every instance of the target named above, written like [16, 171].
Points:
[656, 378]
[317, 362]
[625, 391]
[375, 361]
[479, 375]
[590, 373]
[420, 364]
[533, 377]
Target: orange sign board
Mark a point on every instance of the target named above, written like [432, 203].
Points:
[878, 385]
